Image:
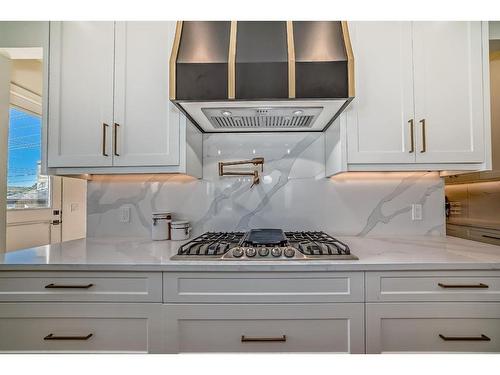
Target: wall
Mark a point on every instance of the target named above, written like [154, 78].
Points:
[293, 194]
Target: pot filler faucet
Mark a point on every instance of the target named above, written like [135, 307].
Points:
[254, 173]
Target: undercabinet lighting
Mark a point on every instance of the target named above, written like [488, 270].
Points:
[146, 177]
[380, 176]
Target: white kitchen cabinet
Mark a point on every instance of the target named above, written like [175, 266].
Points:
[80, 327]
[448, 65]
[333, 328]
[378, 121]
[138, 129]
[422, 99]
[432, 327]
[146, 123]
[81, 94]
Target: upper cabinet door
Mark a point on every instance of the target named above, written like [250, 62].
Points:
[379, 117]
[146, 125]
[81, 94]
[448, 68]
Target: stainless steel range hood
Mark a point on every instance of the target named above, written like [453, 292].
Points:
[261, 76]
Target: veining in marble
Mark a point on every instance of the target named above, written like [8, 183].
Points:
[293, 194]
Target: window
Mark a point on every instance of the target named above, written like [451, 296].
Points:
[26, 187]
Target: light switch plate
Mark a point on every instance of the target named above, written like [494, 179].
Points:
[125, 214]
[416, 211]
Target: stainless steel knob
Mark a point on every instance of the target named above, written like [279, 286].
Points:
[276, 252]
[289, 252]
[263, 251]
[237, 252]
[250, 252]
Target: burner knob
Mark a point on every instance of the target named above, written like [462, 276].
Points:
[263, 251]
[250, 252]
[289, 252]
[276, 252]
[237, 252]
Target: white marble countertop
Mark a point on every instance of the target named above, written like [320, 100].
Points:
[134, 254]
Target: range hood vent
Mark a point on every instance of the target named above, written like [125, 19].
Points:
[264, 75]
[260, 118]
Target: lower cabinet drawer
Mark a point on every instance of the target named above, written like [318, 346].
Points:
[432, 327]
[457, 231]
[81, 286]
[428, 286]
[265, 328]
[262, 287]
[54, 327]
[485, 235]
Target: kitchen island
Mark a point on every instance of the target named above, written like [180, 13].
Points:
[438, 294]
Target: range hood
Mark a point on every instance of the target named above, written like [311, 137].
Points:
[261, 76]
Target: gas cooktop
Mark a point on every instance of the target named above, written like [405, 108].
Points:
[264, 244]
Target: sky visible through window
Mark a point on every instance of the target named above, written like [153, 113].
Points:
[24, 148]
[25, 188]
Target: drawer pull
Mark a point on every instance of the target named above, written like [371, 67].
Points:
[492, 237]
[263, 339]
[465, 338]
[51, 336]
[464, 286]
[60, 286]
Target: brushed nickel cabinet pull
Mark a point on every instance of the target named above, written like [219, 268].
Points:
[465, 338]
[263, 339]
[424, 145]
[51, 336]
[104, 133]
[492, 237]
[115, 139]
[412, 138]
[61, 286]
[464, 286]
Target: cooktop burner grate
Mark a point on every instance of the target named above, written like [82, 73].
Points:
[211, 243]
[317, 243]
[312, 245]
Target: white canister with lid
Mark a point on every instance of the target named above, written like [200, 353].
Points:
[160, 226]
[181, 230]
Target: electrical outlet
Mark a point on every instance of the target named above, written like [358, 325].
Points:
[125, 214]
[416, 211]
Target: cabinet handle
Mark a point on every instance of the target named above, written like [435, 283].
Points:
[464, 286]
[263, 339]
[104, 132]
[493, 237]
[61, 286]
[424, 146]
[465, 338]
[51, 336]
[115, 139]
[412, 139]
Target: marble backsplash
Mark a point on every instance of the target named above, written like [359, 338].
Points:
[293, 194]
